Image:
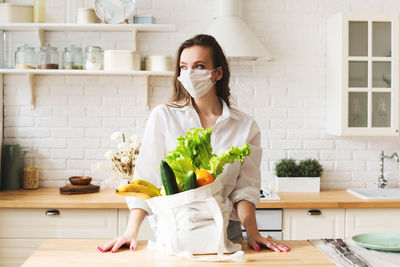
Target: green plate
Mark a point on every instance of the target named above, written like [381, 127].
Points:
[384, 242]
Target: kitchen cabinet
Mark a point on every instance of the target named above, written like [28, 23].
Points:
[23, 230]
[359, 221]
[363, 75]
[299, 224]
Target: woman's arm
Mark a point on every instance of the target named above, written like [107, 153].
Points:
[129, 237]
[247, 216]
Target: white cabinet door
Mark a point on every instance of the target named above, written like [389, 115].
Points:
[145, 231]
[359, 221]
[59, 223]
[300, 224]
[14, 252]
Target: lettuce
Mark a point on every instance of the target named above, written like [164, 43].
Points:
[217, 162]
[194, 152]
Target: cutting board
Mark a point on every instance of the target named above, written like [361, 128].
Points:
[70, 189]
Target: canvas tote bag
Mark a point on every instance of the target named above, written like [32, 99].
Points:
[194, 222]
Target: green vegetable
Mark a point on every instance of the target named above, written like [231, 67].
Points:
[194, 152]
[229, 156]
[190, 181]
[168, 179]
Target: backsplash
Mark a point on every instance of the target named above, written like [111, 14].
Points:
[75, 115]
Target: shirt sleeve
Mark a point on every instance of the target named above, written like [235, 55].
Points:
[151, 153]
[249, 179]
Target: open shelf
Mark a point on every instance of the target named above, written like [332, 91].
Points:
[87, 27]
[31, 73]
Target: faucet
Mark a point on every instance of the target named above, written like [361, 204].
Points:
[382, 182]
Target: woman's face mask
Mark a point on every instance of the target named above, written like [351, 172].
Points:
[197, 82]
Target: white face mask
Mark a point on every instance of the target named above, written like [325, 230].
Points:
[196, 82]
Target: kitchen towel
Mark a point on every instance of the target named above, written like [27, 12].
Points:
[352, 254]
[194, 222]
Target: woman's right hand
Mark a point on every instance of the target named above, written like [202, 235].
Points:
[116, 243]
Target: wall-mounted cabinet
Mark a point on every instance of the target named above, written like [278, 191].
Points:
[363, 75]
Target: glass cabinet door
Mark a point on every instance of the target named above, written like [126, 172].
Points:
[370, 86]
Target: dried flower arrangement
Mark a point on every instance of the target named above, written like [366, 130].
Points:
[124, 159]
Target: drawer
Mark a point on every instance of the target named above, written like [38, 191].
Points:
[68, 223]
[269, 219]
[300, 224]
[145, 231]
[14, 252]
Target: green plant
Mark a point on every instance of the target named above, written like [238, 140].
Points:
[310, 168]
[286, 168]
[305, 168]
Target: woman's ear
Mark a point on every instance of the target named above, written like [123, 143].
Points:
[219, 73]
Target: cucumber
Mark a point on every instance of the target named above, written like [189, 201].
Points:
[168, 179]
[190, 181]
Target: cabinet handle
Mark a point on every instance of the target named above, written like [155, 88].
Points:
[313, 212]
[52, 212]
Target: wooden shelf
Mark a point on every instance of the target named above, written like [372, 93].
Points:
[87, 27]
[86, 72]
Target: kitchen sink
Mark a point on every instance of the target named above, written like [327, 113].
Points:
[377, 193]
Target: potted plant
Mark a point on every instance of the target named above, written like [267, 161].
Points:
[304, 176]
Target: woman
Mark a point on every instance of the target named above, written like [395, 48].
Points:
[201, 99]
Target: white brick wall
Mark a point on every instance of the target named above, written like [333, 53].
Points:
[75, 115]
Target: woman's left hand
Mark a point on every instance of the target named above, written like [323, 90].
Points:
[255, 240]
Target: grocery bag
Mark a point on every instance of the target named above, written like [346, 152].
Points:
[194, 222]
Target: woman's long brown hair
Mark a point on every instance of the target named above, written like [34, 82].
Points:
[180, 97]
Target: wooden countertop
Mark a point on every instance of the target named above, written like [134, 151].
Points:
[108, 199]
[83, 252]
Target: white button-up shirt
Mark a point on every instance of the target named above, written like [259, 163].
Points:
[233, 128]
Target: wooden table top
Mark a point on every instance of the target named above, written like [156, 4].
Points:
[83, 252]
[108, 199]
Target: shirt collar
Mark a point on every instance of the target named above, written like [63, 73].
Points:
[226, 111]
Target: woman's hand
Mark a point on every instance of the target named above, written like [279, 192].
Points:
[128, 238]
[255, 240]
[116, 243]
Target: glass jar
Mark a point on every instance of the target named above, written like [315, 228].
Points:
[72, 58]
[25, 57]
[30, 169]
[93, 58]
[48, 57]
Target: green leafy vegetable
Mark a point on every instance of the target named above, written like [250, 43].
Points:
[229, 156]
[194, 152]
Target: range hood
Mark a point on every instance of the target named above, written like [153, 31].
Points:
[235, 37]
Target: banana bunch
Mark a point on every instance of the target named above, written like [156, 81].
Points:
[139, 188]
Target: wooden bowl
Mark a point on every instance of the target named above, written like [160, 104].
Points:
[80, 180]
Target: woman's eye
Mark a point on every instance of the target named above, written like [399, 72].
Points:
[183, 67]
[199, 66]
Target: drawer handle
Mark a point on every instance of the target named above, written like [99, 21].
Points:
[313, 212]
[52, 212]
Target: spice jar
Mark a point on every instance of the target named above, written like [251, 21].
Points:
[25, 57]
[30, 170]
[48, 57]
[72, 58]
[93, 58]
